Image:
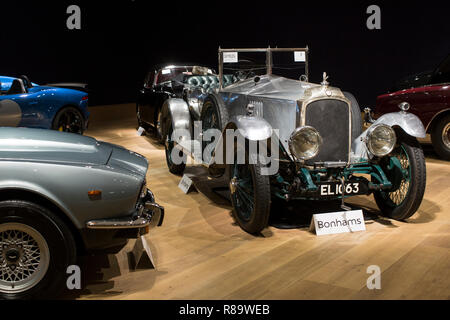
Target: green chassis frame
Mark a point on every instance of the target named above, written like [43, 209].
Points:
[386, 180]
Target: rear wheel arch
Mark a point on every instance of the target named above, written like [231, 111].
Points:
[436, 120]
[440, 135]
[26, 195]
[65, 107]
[177, 112]
[71, 106]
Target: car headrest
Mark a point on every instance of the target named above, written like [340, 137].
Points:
[26, 81]
[211, 82]
[17, 87]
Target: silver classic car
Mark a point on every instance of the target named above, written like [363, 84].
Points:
[61, 195]
[312, 135]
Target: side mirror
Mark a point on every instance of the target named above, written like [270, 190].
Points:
[257, 79]
[404, 106]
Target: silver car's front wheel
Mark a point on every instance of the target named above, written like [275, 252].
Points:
[36, 248]
[24, 257]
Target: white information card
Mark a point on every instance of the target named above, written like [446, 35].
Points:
[299, 56]
[338, 222]
[230, 57]
[185, 184]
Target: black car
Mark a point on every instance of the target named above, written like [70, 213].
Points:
[161, 83]
[438, 75]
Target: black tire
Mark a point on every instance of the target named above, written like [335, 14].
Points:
[174, 168]
[440, 137]
[214, 115]
[69, 119]
[214, 106]
[59, 244]
[403, 202]
[356, 115]
[158, 127]
[251, 218]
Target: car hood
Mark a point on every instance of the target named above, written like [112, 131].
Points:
[271, 86]
[38, 145]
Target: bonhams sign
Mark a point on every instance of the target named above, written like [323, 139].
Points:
[338, 222]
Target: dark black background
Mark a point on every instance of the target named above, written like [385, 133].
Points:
[120, 40]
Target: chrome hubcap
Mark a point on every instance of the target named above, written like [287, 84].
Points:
[24, 257]
[233, 185]
[446, 135]
[400, 194]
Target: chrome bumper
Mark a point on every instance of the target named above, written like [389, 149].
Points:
[148, 214]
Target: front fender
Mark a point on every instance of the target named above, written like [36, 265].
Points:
[251, 128]
[410, 123]
[178, 111]
[38, 190]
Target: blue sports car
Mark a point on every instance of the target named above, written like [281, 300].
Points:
[27, 104]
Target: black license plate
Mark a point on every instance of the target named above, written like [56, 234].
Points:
[334, 189]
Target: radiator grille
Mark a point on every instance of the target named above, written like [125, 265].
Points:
[331, 118]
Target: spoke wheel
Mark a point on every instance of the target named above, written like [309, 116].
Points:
[408, 180]
[242, 192]
[69, 120]
[446, 135]
[169, 145]
[214, 115]
[440, 136]
[36, 247]
[24, 257]
[250, 197]
[399, 195]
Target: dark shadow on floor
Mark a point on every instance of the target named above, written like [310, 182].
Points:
[284, 215]
[99, 270]
[96, 272]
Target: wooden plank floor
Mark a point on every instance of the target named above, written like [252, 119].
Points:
[201, 254]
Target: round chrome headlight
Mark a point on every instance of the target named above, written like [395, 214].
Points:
[381, 140]
[305, 143]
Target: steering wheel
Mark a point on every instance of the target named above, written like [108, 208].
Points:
[243, 74]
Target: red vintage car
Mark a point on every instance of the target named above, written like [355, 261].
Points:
[428, 94]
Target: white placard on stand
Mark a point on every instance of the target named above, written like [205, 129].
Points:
[230, 57]
[185, 184]
[299, 56]
[338, 222]
[140, 131]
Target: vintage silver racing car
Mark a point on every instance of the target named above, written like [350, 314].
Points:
[313, 133]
